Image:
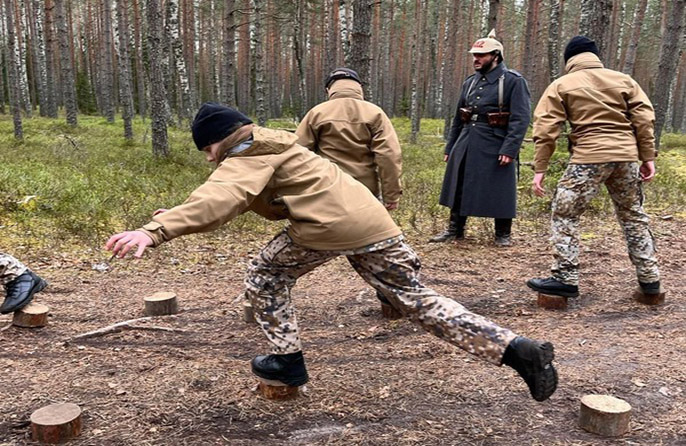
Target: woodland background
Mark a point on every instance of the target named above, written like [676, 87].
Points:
[161, 58]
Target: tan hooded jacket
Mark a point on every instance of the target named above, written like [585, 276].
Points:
[358, 136]
[279, 179]
[611, 117]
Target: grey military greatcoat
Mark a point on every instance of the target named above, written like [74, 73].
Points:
[489, 189]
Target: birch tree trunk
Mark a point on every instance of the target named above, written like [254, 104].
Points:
[108, 62]
[258, 45]
[140, 72]
[669, 58]
[299, 55]
[13, 71]
[125, 93]
[448, 65]
[630, 58]
[187, 101]
[360, 56]
[229, 76]
[68, 87]
[595, 24]
[20, 50]
[415, 119]
[386, 76]
[344, 7]
[51, 95]
[158, 101]
[35, 22]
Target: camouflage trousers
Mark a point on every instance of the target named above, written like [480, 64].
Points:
[578, 185]
[10, 268]
[392, 270]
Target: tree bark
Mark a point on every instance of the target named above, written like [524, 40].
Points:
[35, 22]
[13, 71]
[630, 57]
[158, 101]
[125, 93]
[360, 54]
[140, 73]
[108, 99]
[493, 8]
[68, 87]
[669, 58]
[554, 39]
[229, 76]
[176, 48]
[415, 118]
[258, 45]
[595, 24]
[51, 95]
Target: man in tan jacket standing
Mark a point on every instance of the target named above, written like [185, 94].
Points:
[329, 214]
[612, 123]
[356, 135]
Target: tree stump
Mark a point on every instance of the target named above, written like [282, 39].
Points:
[276, 390]
[248, 313]
[552, 302]
[56, 423]
[31, 316]
[161, 304]
[604, 415]
[650, 299]
[389, 312]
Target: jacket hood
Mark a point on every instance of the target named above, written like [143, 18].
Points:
[583, 61]
[346, 88]
[268, 142]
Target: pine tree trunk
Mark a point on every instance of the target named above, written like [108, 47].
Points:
[299, 55]
[360, 49]
[680, 98]
[243, 64]
[68, 87]
[51, 95]
[448, 65]
[493, 8]
[13, 71]
[258, 45]
[630, 57]
[669, 57]
[125, 95]
[108, 62]
[554, 39]
[229, 76]
[386, 76]
[595, 23]
[158, 101]
[415, 118]
[344, 7]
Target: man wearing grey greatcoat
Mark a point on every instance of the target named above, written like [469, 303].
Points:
[481, 154]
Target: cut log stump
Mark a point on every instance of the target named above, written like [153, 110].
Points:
[276, 390]
[31, 316]
[604, 415]
[161, 304]
[650, 299]
[56, 423]
[248, 313]
[389, 312]
[552, 302]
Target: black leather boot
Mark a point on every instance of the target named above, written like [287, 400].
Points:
[288, 369]
[534, 363]
[20, 291]
[650, 288]
[553, 286]
[455, 230]
[503, 231]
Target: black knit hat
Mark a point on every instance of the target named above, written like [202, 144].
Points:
[578, 45]
[214, 122]
[341, 73]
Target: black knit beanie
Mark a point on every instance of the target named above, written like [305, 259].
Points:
[578, 45]
[214, 122]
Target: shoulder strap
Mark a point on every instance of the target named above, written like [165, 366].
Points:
[501, 89]
[469, 91]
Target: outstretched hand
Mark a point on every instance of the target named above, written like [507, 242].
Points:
[122, 243]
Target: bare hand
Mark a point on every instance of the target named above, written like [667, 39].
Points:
[122, 243]
[159, 211]
[445, 158]
[391, 206]
[537, 184]
[504, 160]
[647, 171]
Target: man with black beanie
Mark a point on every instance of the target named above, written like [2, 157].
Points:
[611, 122]
[329, 214]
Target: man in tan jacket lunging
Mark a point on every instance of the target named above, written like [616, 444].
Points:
[612, 123]
[329, 214]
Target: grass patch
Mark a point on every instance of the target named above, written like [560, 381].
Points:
[64, 185]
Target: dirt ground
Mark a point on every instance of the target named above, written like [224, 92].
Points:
[372, 381]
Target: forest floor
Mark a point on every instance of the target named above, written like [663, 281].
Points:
[372, 381]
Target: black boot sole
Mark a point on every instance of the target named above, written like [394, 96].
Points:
[37, 288]
[552, 292]
[546, 379]
[295, 381]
